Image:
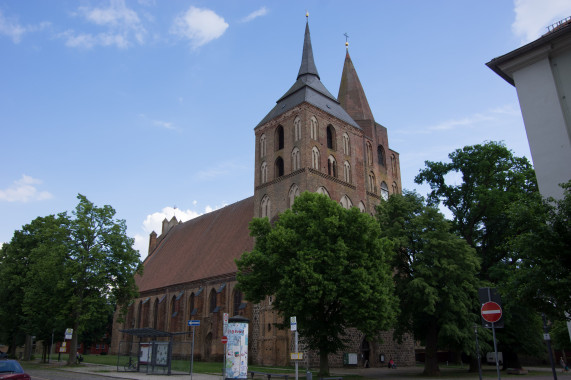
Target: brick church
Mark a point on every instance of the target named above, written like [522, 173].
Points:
[310, 141]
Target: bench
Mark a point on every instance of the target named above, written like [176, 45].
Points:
[268, 375]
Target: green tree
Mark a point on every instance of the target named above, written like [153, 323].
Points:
[323, 264]
[541, 249]
[23, 271]
[478, 186]
[435, 276]
[99, 267]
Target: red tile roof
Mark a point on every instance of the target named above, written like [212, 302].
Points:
[200, 248]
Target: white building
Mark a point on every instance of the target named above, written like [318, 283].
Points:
[541, 74]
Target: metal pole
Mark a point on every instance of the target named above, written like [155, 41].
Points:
[225, 354]
[478, 353]
[548, 339]
[297, 353]
[192, 353]
[496, 350]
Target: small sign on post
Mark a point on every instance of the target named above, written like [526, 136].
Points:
[68, 333]
[194, 322]
[293, 323]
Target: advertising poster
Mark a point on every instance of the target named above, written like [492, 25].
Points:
[237, 351]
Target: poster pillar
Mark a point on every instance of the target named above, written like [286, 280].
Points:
[237, 348]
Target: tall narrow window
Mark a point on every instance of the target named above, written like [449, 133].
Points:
[212, 301]
[384, 190]
[315, 158]
[346, 146]
[347, 172]
[369, 154]
[263, 145]
[395, 188]
[265, 207]
[331, 166]
[173, 307]
[191, 305]
[297, 129]
[237, 301]
[313, 128]
[381, 155]
[279, 138]
[279, 167]
[372, 186]
[264, 172]
[156, 313]
[330, 137]
[295, 159]
[293, 193]
[394, 165]
[362, 206]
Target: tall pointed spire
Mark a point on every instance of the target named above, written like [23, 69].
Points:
[351, 94]
[307, 62]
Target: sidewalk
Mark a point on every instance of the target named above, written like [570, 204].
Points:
[369, 373]
[111, 372]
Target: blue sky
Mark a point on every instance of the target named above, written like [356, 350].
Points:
[150, 105]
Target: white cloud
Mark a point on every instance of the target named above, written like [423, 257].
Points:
[199, 26]
[12, 29]
[532, 17]
[154, 222]
[24, 190]
[122, 26]
[260, 12]
[223, 169]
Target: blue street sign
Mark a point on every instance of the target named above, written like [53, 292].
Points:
[194, 323]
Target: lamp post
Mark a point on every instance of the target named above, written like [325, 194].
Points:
[478, 352]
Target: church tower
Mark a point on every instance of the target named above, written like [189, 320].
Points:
[311, 141]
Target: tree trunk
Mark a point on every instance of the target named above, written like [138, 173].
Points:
[73, 343]
[511, 360]
[473, 360]
[323, 364]
[431, 358]
[28, 348]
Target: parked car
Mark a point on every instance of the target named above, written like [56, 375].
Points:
[11, 369]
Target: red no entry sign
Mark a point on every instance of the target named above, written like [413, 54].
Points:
[224, 340]
[491, 312]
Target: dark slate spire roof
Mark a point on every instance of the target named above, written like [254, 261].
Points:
[308, 88]
[351, 94]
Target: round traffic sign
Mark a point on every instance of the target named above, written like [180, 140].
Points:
[224, 340]
[491, 312]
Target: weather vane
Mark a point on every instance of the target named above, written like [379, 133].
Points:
[346, 40]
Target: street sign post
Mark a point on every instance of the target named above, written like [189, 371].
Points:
[491, 312]
[224, 340]
[193, 323]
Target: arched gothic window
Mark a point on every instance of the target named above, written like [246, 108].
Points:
[331, 166]
[264, 172]
[293, 193]
[263, 145]
[347, 171]
[173, 306]
[362, 206]
[156, 313]
[372, 186]
[212, 301]
[346, 202]
[295, 159]
[381, 155]
[330, 137]
[384, 190]
[315, 158]
[279, 138]
[279, 167]
[394, 165]
[369, 153]
[265, 207]
[313, 128]
[191, 305]
[346, 146]
[322, 190]
[237, 301]
[297, 129]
